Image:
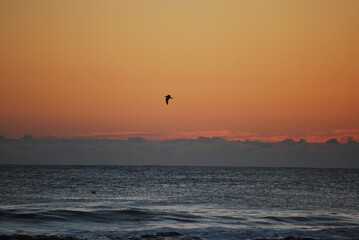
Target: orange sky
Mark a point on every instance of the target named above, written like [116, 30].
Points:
[268, 68]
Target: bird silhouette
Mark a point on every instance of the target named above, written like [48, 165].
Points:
[168, 97]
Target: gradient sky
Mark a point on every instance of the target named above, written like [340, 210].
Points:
[266, 69]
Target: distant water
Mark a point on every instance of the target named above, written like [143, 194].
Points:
[153, 202]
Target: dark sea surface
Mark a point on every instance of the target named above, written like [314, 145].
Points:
[158, 202]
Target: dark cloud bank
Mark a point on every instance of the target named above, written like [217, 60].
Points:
[201, 152]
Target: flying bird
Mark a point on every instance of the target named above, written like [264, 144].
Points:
[168, 97]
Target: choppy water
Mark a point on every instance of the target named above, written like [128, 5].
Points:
[153, 202]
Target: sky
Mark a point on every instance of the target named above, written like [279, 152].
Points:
[244, 69]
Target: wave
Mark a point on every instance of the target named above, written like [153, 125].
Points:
[172, 235]
[148, 236]
[104, 216]
[317, 220]
[140, 224]
[153, 236]
[136, 214]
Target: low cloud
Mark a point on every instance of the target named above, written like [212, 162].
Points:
[205, 151]
[341, 135]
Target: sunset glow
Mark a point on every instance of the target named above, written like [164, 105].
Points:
[257, 70]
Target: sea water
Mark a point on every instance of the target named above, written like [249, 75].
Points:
[160, 202]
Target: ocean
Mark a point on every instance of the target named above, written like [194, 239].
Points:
[162, 202]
